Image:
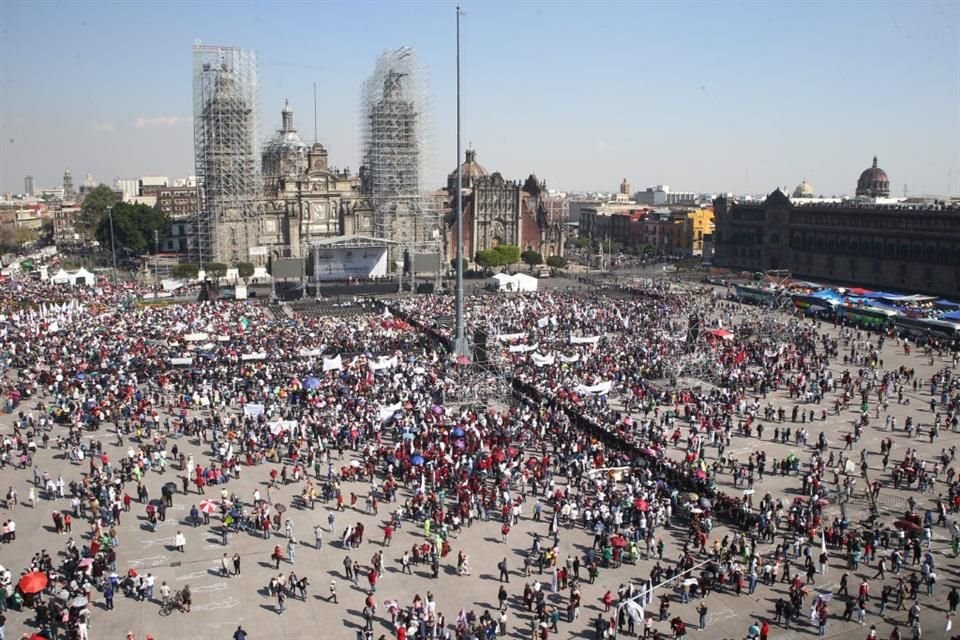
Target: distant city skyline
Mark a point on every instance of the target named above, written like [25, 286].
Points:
[706, 97]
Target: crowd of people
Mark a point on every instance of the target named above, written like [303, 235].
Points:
[354, 413]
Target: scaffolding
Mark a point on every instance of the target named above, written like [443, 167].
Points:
[226, 114]
[394, 129]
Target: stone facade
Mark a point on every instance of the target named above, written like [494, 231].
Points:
[499, 211]
[304, 199]
[913, 248]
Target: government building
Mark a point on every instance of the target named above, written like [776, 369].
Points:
[870, 241]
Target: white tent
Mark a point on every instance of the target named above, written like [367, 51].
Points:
[523, 282]
[82, 276]
[502, 282]
[60, 277]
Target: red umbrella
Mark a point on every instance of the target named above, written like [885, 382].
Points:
[618, 541]
[33, 582]
[641, 504]
[907, 525]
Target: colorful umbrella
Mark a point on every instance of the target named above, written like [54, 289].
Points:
[416, 460]
[618, 541]
[641, 504]
[907, 525]
[34, 582]
[208, 506]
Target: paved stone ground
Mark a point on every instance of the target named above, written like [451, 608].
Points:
[220, 603]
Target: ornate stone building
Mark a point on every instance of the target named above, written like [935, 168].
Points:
[914, 248]
[498, 211]
[304, 199]
[873, 182]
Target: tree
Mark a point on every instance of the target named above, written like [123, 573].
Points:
[93, 209]
[487, 258]
[557, 262]
[531, 258]
[133, 228]
[186, 271]
[507, 254]
[245, 270]
[453, 264]
[216, 270]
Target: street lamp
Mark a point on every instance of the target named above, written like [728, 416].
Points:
[113, 246]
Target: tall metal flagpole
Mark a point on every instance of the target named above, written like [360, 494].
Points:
[460, 346]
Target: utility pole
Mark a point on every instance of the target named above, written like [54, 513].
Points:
[113, 245]
[460, 346]
[156, 263]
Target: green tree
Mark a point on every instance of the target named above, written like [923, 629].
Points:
[453, 264]
[507, 254]
[245, 270]
[94, 207]
[46, 231]
[216, 270]
[133, 227]
[25, 235]
[487, 258]
[531, 258]
[186, 271]
[557, 262]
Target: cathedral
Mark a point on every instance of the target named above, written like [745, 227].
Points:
[499, 211]
[304, 199]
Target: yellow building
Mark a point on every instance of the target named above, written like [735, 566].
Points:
[700, 223]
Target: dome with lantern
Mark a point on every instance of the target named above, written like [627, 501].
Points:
[873, 182]
[804, 190]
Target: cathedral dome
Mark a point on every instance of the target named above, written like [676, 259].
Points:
[471, 170]
[873, 182]
[286, 152]
[803, 190]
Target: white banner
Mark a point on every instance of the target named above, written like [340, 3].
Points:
[522, 348]
[509, 337]
[311, 353]
[584, 339]
[383, 363]
[254, 356]
[196, 337]
[332, 364]
[542, 322]
[181, 362]
[387, 412]
[53, 328]
[542, 361]
[253, 410]
[282, 425]
[570, 359]
[600, 389]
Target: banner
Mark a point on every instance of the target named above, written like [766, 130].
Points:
[254, 356]
[332, 364]
[253, 410]
[542, 322]
[522, 348]
[542, 361]
[311, 353]
[584, 339]
[570, 359]
[510, 337]
[276, 428]
[387, 412]
[181, 362]
[382, 363]
[600, 389]
[195, 337]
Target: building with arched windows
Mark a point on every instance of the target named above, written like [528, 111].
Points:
[912, 247]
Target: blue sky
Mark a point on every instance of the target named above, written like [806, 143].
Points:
[708, 96]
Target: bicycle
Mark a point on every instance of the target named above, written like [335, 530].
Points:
[177, 601]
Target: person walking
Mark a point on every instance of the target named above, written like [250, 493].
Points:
[281, 598]
[504, 574]
[236, 564]
[702, 610]
[179, 541]
[318, 536]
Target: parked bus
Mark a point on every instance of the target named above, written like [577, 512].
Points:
[923, 328]
[867, 317]
[754, 295]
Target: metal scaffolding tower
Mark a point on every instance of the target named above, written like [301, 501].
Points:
[394, 130]
[226, 115]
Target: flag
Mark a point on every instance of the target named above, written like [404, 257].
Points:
[823, 542]
[244, 323]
